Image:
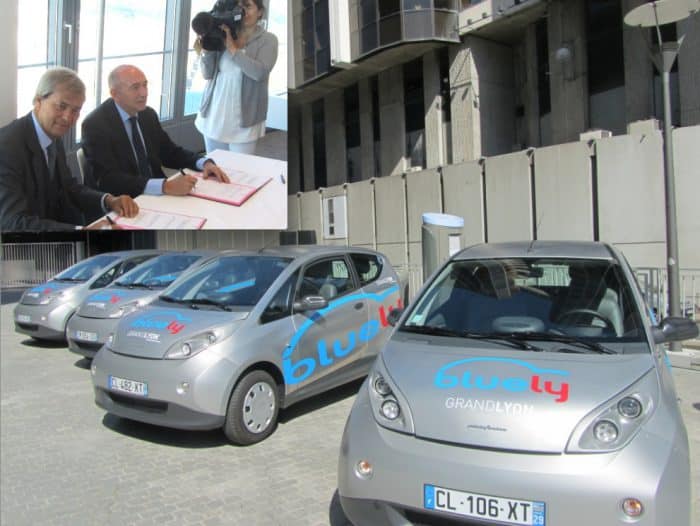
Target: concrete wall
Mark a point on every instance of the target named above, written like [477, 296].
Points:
[612, 186]
[8, 61]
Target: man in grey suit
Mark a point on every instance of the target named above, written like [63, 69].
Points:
[37, 190]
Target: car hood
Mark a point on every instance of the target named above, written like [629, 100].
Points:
[151, 332]
[513, 400]
[34, 295]
[105, 302]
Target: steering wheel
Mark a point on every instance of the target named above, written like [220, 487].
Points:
[585, 312]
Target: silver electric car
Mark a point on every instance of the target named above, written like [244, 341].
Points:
[43, 311]
[99, 313]
[527, 384]
[246, 334]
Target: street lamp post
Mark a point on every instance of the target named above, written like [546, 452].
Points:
[656, 14]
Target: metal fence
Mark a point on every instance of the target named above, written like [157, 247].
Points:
[26, 264]
[654, 285]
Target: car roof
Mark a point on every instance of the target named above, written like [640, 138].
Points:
[301, 252]
[537, 249]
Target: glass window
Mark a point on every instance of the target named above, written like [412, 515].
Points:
[86, 269]
[36, 48]
[541, 299]
[390, 30]
[281, 305]
[368, 266]
[328, 278]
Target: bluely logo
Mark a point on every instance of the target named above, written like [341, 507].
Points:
[104, 296]
[446, 378]
[162, 320]
[301, 369]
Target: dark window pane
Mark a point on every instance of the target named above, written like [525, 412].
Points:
[368, 12]
[388, 7]
[390, 30]
[369, 38]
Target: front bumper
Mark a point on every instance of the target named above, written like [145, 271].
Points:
[100, 327]
[577, 490]
[44, 322]
[209, 375]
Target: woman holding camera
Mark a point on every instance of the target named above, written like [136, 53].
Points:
[234, 106]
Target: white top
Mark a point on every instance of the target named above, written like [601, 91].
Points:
[224, 120]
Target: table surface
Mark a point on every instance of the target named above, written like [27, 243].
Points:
[266, 209]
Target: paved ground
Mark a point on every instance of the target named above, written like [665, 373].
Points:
[62, 461]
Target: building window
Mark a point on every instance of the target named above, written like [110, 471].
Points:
[446, 103]
[316, 42]
[414, 106]
[319, 138]
[376, 125]
[606, 65]
[386, 22]
[351, 97]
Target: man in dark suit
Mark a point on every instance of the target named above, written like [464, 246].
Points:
[37, 190]
[126, 147]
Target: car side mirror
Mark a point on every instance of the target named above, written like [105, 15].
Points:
[310, 303]
[394, 315]
[674, 329]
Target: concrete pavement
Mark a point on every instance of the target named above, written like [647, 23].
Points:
[63, 461]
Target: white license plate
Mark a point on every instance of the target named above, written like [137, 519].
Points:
[484, 507]
[86, 336]
[127, 386]
[24, 318]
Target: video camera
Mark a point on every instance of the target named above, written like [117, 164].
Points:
[208, 24]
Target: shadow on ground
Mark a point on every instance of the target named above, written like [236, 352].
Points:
[321, 400]
[165, 436]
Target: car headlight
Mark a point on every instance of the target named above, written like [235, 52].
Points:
[389, 407]
[127, 308]
[613, 424]
[110, 341]
[188, 347]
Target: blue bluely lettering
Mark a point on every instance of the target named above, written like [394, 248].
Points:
[515, 385]
[369, 330]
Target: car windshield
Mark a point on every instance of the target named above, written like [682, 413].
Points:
[560, 300]
[231, 281]
[158, 272]
[86, 269]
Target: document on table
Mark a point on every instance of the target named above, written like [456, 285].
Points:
[237, 192]
[148, 219]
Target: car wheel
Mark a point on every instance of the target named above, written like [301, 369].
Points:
[251, 415]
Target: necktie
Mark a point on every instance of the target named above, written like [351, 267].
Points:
[141, 159]
[51, 159]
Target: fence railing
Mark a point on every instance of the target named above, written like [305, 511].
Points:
[26, 264]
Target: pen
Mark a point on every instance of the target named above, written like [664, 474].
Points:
[282, 178]
[110, 220]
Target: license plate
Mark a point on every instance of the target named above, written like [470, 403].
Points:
[24, 318]
[127, 386]
[485, 507]
[86, 336]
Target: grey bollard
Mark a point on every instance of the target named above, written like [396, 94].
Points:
[441, 236]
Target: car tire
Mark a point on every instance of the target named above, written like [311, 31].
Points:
[252, 410]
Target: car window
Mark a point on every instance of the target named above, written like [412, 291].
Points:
[130, 264]
[280, 305]
[328, 278]
[582, 298]
[368, 267]
[86, 269]
[105, 279]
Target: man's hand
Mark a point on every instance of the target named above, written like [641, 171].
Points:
[123, 205]
[180, 185]
[211, 170]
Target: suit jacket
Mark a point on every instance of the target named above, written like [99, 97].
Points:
[29, 200]
[111, 158]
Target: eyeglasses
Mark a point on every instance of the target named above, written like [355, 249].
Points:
[62, 107]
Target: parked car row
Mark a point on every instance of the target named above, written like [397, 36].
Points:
[525, 379]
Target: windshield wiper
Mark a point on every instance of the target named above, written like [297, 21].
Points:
[444, 331]
[139, 286]
[205, 301]
[69, 279]
[170, 299]
[571, 340]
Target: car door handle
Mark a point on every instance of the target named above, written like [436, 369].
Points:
[358, 306]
